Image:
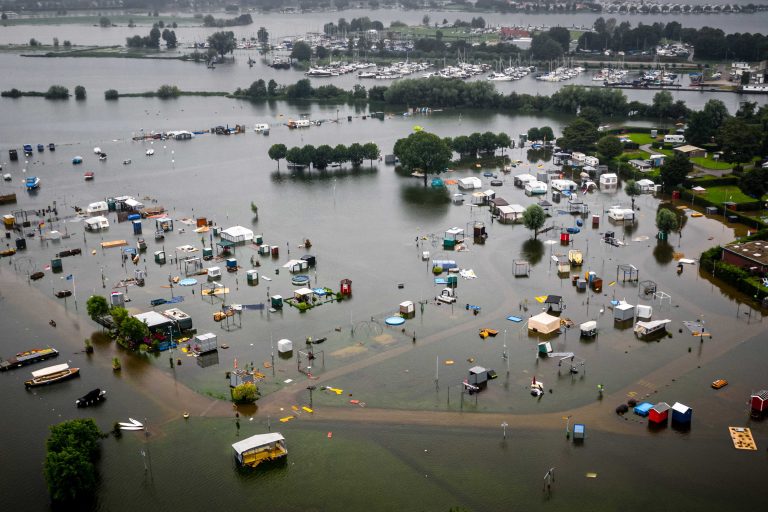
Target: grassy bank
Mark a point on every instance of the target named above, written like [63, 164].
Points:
[140, 20]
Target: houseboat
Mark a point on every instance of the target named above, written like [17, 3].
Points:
[28, 357]
[261, 128]
[534, 187]
[32, 183]
[51, 374]
[260, 448]
[91, 397]
[299, 123]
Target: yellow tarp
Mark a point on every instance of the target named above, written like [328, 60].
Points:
[216, 291]
[286, 419]
[336, 390]
[114, 243]
[307, 409]
[541, 298]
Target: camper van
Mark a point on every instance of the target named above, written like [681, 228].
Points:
[535, 188]
[563, 185]
[300, 123]
[674, 139]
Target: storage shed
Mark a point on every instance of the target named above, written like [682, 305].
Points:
[554, 303]
[260, 448]
[659, 413]
[470, 183]
[478, 377]
[237, 235]
[681, 413]
[643, 408]
[579, 432]
[623, 311]
[759, 401]
[183, 320]
[544, 323]
[203, 343]
[510, 213]
[407, 309]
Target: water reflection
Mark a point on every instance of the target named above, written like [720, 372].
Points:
[208, 359]
[663, 252]
[309, 176]
[426, 202]
[535, 155]
[533, 250]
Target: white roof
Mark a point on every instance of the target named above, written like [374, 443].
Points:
[544, 323]
[608, 175]
[454, 231]
[96, 220]
[133, 203]
[256, 441]
[589, 325]
[623, 306]
[525, 177]
[490, 192]
[681, 408]
[511, 209]
[292, 263]
[238, 231]
[51, 369]
[646, 183]
[471, 181]
[152, 318]
[654, 157]
[303, 291]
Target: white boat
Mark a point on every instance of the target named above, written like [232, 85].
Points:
[7, 177]
[132, 424]
[97, 150]
[261, 128]
[127, 161]
[458, 198]
[125, 427]
[499, 77]
[150, 152]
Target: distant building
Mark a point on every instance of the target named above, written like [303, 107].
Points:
[691, 151]
[513, 33]
[748, 255]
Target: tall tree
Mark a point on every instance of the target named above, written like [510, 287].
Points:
[534, 218]
[96, 306]
[277, 152]
[544, 47]
[609, 147]
[674, 170]
[580, 135]
[223, 42]
[301, 51]
[423, 151]
[739, 141]
[704, 124]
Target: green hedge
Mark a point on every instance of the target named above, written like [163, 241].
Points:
[710, 261]
[714, 181]
[742, 207]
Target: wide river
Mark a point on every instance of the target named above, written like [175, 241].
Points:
[418, 444]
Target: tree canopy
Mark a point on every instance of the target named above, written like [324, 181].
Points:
[739, 141]
[674, 170]
[580, 135]
[72, 448]
[609, 147]
[301, 51]
[277, 152]
[223, 42]
[534, 218]
[666, 221]
[97, 306]
[423, 151]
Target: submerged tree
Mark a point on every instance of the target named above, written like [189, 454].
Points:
[534, 218]
[425, 152]
[277, 152]
[632, 189]
[97, 307]
[666, 221]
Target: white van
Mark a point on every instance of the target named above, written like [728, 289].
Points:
[674, 139]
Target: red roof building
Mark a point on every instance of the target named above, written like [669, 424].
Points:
[659, 413]
[513, 33]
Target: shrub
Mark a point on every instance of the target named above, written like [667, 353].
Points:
[111, 94]
[168, 91]
[437, 270]
[57, 92]
[245, 393]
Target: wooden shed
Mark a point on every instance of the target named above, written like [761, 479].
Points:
[659, 413]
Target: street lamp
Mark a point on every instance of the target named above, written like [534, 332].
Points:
[311, 389]
[504, 426]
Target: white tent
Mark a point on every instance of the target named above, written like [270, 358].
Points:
[470, 183]
[544, 323]
[510, 213]
[237, 234]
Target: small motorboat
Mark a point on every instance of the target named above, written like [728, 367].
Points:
[131, 424]
[150, 152]
[102, 156]
[77, 160]
[91, 397]
[6, 177]
[97, 150]
[88, 176]
[51, 147]
[127, 161]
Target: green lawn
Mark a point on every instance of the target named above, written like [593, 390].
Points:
[730, 193]
[640, 138]
[708, 163]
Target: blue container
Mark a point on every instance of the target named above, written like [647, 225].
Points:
[231, 263]
[134, 216]
[137, 227]
[643, 409]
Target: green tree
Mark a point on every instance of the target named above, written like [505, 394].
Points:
[739, 141]
[609, 147]
[340, 154]
[301, 51]
[674, 170]
[81, 435]
[371, 151]
[488, 142]
[666, 221]
[223, 42]
[272, 87]
[544, 47]
[133, 329]
[322, 157]
[295, 156]
[69, 474]
[168, 91]
[580, 135]
[591, 114]
[105, 22]
[423, 151]
[257, 90]
[632, 189]
[503, 141]
[262, 35]
[277, 152]
[546, 133]
[754, 183]
[703, 125]
[79, 92]
[663, 104]
[57, 92]
[169, 36]
[154, 38]
[534, 218]
[562, 36]
[97, 307]
[111, 94]
[245, 393]
[534, 134]
[300, 90]
[356, 154]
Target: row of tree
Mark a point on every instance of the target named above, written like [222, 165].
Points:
[740, 137]
[153, 39]
[323, 156]
[128, 329]
[54, 92]
[243, 19]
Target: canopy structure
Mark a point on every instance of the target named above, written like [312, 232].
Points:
[544, 323]
[646, 328]
[237, 234]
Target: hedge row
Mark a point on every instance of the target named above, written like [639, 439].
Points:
[712, 181]
[710, 261]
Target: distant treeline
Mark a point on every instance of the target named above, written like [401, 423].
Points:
[323, 156]
[243, 19]
[439, 92]
[708, 42]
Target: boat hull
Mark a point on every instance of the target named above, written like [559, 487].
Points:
[52, 379]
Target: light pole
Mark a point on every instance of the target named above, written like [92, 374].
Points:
[311, 389]
[567, 426]
[504, 426]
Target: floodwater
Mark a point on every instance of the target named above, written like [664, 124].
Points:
[418, 440]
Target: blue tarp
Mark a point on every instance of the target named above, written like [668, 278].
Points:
[320, 292]
[441, 280]
[643, 408]
[515, 319]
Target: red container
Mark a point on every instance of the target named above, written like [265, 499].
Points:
[565, 238]
[275, 251]
[595, 221]
[675, 194]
